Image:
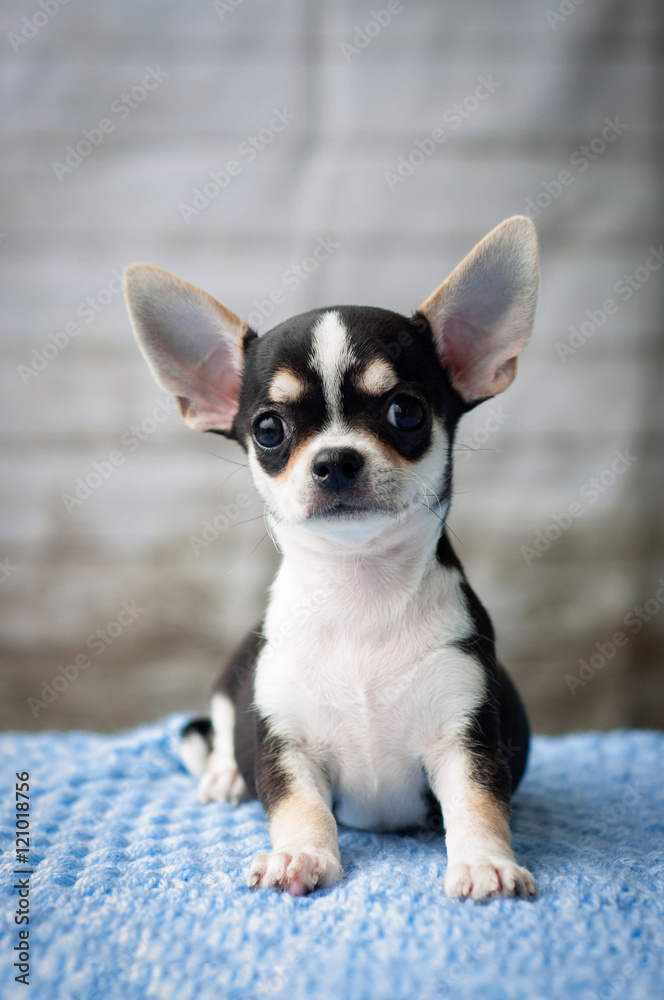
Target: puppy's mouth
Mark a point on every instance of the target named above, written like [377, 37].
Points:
[341, 508]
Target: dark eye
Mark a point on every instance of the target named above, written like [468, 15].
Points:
[406, 413]
[269, 430]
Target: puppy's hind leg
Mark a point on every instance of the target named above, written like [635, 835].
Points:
[222, 781]
[196, 745]
[207, 751]
[213, 748]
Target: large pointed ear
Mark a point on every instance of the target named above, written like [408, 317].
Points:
[482, 315]
[193, 345]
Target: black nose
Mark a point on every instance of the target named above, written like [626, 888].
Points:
[336, 468]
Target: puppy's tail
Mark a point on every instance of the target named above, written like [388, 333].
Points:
[196, 745]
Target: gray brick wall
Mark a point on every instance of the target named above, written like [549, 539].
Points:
[68, 572]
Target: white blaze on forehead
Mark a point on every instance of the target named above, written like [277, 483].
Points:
[331, 356]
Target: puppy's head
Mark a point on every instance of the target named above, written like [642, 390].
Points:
[347, 414]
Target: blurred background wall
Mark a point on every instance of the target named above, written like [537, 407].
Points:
[120, 122]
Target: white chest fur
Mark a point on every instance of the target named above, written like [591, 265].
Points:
[360, 673]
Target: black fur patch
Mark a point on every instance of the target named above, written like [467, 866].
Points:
[434, 822]
[498, 735]
[273, 782]
[257, 752]
[200, 727]
[237, 683]
[446, 555]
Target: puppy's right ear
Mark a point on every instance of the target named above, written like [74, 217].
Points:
[193, 345]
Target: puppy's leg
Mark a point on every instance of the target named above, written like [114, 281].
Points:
[480, 862]
[222, 781]
[221, 751]
[303, 831]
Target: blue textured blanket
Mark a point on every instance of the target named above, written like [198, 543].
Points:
[138, 891]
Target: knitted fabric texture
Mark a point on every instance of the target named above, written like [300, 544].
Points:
[139, 891]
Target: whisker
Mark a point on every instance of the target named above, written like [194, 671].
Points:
[270, 529]
[456, 536]
[469, 447]
[261, 539]
[244, 465]
[268, 512]
[414, 478]
[231, 474]
[478, 638]
[259, 517]
[441, 519]
[240, 465]
[427, 492]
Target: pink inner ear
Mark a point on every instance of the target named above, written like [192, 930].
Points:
[480, 362]
[462, 345]
[466, 354]
[208, 393]
[214, 396]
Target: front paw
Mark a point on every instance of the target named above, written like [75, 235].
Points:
[484, 879]
[298, 870]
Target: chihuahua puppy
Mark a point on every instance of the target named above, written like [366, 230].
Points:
[371, 695]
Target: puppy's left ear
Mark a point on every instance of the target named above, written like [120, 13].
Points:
[193, 345]
[482, 316]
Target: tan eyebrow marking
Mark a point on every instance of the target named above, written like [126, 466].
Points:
[286, 387]
[377, 378]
